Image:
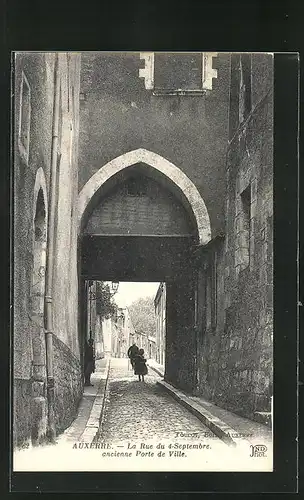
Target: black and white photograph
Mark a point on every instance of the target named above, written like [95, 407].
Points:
[142, 335]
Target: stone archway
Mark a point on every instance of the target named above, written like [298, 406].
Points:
[163, 166]
[39, 244]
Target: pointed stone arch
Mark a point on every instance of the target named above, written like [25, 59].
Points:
[165, 167]
[39, 244]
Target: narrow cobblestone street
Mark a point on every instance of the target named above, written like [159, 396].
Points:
[139, 410]
[142, 427]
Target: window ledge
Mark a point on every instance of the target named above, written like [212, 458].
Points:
[180, 92]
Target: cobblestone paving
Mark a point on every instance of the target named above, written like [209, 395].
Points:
[142, 410]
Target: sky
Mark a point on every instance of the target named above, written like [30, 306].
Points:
[128, 292]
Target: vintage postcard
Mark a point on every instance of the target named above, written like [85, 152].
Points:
[143, 261]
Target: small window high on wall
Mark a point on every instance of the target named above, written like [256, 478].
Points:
[25, 117]
[178, 71]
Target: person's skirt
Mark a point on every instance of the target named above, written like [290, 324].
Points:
[140, 369]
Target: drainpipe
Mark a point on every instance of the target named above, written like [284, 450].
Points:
[51, 430]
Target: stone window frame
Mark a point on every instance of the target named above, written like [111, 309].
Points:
[24, 148]
[207, 74]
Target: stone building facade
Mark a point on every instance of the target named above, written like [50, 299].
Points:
[34, 132]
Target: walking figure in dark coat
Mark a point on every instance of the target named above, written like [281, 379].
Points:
[89, 362]
[140, 367]
[132, 351]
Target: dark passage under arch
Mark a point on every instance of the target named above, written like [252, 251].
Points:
[138, 230]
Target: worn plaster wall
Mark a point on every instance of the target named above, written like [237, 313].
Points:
[99, 344]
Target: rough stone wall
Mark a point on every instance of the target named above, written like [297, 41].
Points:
[236, 369]
[34, 66]
[118, 114]
[68, 382]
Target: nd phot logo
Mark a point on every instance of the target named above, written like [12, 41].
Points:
[258, 450]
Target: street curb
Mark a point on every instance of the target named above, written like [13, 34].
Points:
[217, 426]
[93, 422]
[161, 374]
